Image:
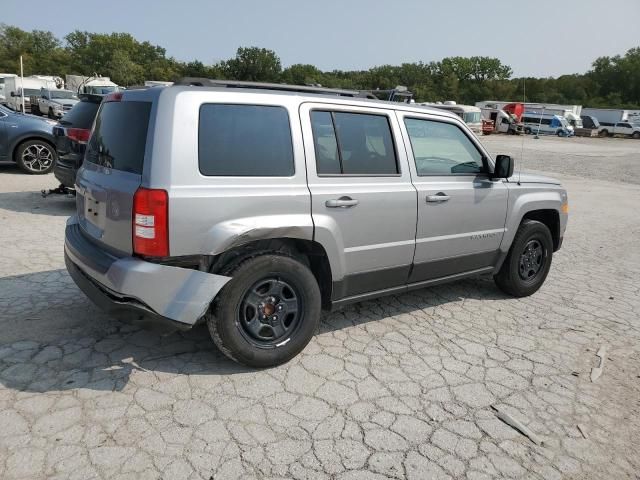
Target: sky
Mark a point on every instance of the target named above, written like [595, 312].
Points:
[536, 38]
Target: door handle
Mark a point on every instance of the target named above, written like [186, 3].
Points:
[438, 197]
[342, 202]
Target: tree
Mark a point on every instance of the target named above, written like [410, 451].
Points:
[253, 64]
[302, 74]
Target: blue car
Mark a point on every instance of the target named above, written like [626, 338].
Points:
[28, 141]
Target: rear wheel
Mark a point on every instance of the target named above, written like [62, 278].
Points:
[527, 130]
[35, 156]
[267, 313]
[529, 260]
[604, 133]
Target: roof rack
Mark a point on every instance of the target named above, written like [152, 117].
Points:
[208, 82]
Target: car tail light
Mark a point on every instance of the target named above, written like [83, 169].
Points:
[113, 97]
[151, 222]
[80, 135]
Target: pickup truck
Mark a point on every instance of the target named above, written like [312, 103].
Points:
[54, 103]
[621, 128]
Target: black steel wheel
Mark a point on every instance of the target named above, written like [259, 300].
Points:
[528, 262]
[267, 313]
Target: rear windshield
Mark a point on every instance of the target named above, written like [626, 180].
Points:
[81, 115]
[119, 137]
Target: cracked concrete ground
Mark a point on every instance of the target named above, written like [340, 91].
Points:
[400, 387]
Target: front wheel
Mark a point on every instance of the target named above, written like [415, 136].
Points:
[636, 135]
[35, 157]
[51, 114]
[267, 313]
[528, 262]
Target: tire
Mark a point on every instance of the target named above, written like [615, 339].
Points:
[51, 114]
[636, 135]
[258, 289]
[560, 133]
[527, 131]
[36, 157]
[522, 275]
[604, 133]
[36, 111]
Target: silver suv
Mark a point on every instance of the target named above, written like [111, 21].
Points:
[251, 209]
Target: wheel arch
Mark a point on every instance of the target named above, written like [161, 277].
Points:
[308, 252]
[550, 218]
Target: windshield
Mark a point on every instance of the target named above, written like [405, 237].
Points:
[101, 90]
[62, 94]
[471, 117]
[28, 92]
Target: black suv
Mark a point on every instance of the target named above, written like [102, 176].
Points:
[71, 135]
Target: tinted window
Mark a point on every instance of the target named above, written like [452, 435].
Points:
[442, 149]
[245, 140]
[81, 115]
[353, 144]
[120, 134]
[325, 143]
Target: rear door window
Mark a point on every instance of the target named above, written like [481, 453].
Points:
[120, 135]
[353, 144]
[245, 140]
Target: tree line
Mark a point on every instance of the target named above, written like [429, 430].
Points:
[611, 82]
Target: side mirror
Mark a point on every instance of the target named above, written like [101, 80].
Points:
[13, 94]
[504, 167]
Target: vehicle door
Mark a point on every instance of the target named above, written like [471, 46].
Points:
[4, 141]
[461, 210]
[362, 198]
[624, 129]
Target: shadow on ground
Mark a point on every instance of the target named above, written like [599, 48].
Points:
[33, 202]
[68, 343]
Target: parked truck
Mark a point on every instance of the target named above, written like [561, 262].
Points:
[607, 118]
[53, 103]
[3, 95]
[16, 88]
[95, 85]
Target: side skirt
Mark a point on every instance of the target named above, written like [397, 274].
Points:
[411, 286]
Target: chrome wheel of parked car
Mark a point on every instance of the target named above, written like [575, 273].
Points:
[36, 157]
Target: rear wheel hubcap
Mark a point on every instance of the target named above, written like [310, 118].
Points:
[269, 312]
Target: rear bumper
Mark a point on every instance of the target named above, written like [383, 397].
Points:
[65, 173]
[136, 290]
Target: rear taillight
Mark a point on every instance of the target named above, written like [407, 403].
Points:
[80, 135]
[151, 222]
[113, 97]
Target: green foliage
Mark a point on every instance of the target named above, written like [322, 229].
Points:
[612, 82]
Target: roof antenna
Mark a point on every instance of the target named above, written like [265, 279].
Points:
[524, 100]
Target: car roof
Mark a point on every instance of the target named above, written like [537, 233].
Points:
[151, 94]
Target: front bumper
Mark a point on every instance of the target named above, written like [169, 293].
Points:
[136, 290]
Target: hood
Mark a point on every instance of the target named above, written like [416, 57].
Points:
[68, 102]
[533, 178]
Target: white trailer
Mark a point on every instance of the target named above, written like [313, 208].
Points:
[571, 112]
[471, 115]
[607, 117]
[94, 85]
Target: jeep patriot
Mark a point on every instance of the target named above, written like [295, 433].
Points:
[252, 207]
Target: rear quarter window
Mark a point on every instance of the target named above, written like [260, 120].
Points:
[120, 135]
[244, 140]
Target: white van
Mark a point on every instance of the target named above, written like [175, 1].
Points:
[3, 95]
[546, 124]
